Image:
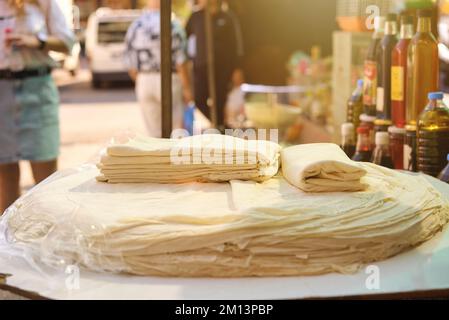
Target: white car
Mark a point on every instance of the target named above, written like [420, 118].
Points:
[105, 44]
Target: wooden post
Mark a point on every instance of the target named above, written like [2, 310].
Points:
[166, 68]
[211, 67]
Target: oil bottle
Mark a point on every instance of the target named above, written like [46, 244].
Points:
[382, 154]
[371, 68]
[433, 136]
[399, 72]
[364, 151]
[422, 67]
[355, 105]
[348, 139]
[387, 45]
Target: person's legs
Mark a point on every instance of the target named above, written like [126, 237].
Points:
[9, 185]
[42, 170]
[147, 87]
[178, 104]
[39, 125]
[222, 89]
[201, 87]
[9, 145]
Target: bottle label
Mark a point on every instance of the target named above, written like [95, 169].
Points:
[380, 99]
[370, 83]
[397, 83]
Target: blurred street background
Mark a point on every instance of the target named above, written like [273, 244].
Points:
[90, 117]
[97, 96]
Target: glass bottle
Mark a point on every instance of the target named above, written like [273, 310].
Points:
[387, 45]
[363, 153]
[397, 140]
[368, 121]
[348, 139]
[355, 105]
[422, 68]
[399, 72]
[433, 136]
[382, 154]
[371, 68]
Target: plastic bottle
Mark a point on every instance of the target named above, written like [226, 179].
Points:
[382, 154]
[348, 139]
[355, 105]
[387, 45]
[433, 136]
[371, 68]
[444, 175]
[363, 153]
[189, 118]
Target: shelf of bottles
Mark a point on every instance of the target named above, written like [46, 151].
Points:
[396, 116]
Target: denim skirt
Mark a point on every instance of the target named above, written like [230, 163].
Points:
[29, 120]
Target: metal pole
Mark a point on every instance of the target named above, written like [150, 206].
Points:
[211, 67]
[166, 68]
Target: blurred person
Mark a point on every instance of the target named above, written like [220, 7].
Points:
[143, 57]
[29, 104]
[228, 54]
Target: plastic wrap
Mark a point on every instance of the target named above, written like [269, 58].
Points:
[58, 241]
[220, 230]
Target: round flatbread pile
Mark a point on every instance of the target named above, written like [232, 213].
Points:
[231, 229]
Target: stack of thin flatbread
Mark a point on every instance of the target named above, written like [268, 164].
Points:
[203, 158]
[321, 167]
[236, 229]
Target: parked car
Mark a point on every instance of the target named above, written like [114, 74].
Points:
[105, 44]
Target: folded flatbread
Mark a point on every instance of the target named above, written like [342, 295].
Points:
[321, 167]
[204, 158]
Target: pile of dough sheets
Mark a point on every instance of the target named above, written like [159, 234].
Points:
[235, 229]
[202, 158]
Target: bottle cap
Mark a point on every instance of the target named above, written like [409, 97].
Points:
[423, 13]
[396, 130]
[407, 20]
[392, 17]
[360, 83]
[367, 118]
[363, 130]
[347, 129]
[436, 96]
[382, 122]
[379, 23]
[382, 139]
